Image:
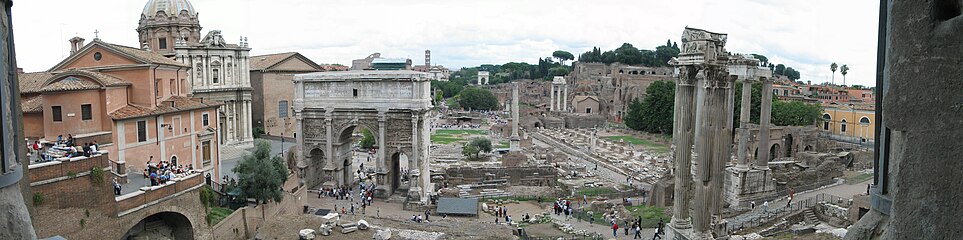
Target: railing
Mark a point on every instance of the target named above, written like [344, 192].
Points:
[758, 219]
[150, 195]
[66, 166]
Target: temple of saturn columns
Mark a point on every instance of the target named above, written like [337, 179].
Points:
[392, 104]
[702, 144]
[751, 180]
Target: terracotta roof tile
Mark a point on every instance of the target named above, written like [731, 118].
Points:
[265, 61]
[32, 82]
[70, 84]
[32, 105]
[180, 104]
[146, 56]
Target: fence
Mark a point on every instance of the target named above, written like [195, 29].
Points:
[758, 219]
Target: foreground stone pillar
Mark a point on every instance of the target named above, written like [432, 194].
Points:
[743, 162]
[565, 98]
[710, 120]
[683, 132]
[382, 168]
[762, 158]
[551, 104]
[515, 144]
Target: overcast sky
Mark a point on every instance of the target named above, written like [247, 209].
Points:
[806, 35]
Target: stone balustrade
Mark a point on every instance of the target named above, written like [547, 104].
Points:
[63, 167]
[148, 196]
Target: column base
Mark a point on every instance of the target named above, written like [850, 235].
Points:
[743, 186]
[681, 224]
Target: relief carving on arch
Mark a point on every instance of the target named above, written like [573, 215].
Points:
[314, 129]
[398, 130]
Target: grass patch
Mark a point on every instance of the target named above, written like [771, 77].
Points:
[218, 213]
[650, 215]
[446, 136]
[858, 178]
[595, 191]
[503, 144]
[657, 147]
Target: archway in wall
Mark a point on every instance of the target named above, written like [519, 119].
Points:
[809, 148]
[397, 164]
[789, 144]
[774, 152]
[346, 145]
[162, 225]
[174, 160]
[316, 165]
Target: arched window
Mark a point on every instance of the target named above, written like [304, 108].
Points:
[826, 120]
[864, 121]
[842, 126]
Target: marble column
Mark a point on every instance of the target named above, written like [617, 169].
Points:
[329, 148]
[551, 106]
[249, 133]
[515, 143]
[426, 187]
[414, 160]
[682, 140]
[762, 158]
[709, 147]
[299, 152]
[381, 144]
[565, 98]
[742, 162]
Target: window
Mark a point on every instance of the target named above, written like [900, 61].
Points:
[141, 131]
[214, 75]
[588, 110]
[283, 109]
[172, 86]
[206, 153]
[842, 126]
[162, 43]
[864, 121]
[57, 113]
[205, 118]
[85, 112]
[98, 56]
[355, 92]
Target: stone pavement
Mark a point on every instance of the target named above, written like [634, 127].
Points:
[843, 190]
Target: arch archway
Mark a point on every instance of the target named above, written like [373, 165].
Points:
[774, 152]
[162, 225]
[826, 120]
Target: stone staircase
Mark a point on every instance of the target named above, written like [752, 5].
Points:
[810, 217]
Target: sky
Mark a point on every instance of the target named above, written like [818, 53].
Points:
[806, 35]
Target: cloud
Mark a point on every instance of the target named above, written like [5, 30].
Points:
[806, 35]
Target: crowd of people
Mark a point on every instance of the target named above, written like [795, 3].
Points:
[163, 171]
[343, 192]
[62, 148]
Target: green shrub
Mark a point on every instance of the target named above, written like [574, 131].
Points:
[97, 176]
[38, 199]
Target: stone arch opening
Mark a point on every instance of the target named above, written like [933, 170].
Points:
[397, 174]
[809, 148]
[774, 151]
[317, 164]
[162, 225]
[789, 145]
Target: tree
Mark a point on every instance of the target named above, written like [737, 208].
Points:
[562, 56]
[791, 73]
[261, 175]
[470, 151]
[779, 69]
[367, 139]
[832, 67]
[478, 99]
[558, 71]
[665, 53]
[843, 70]
[654, 113]
[763, 60]
[859, 87]
[473, 149]
[794, 113]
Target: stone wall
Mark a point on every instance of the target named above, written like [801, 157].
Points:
[584, 121]
[233, 226]
[516, 176]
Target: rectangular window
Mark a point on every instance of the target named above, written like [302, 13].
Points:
[206, 153]
[56, 112]
[162, 43]
[214, 76]
[355, 92]
[172, 86]
[141, 131]
[283, 109]
[205, 119]
[85, 112]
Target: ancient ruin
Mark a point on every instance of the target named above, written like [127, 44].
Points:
[393, 104]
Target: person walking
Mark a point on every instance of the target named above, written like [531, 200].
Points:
[638, 232]
[752, 205]
[626, 228]
[615, 230]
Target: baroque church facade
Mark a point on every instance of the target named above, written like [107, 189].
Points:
[219, 70]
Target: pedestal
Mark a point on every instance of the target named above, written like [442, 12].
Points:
[746, 185]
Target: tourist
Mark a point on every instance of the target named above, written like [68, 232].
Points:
[626, 226]
[415, 218]
[765, 207]
[427, 214]
[638, 232]
[615, 230]
[508, 219]
[591, 219]
[60, 139]
[116, 187]
[752, 205]
[496, 220]
[378, 212]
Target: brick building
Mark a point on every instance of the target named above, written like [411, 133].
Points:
[272, 77]
[134, 103]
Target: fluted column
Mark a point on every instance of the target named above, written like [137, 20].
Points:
[381, 144]
[515, 143]
[762, 159]
[683, 134]
[299, 150]
[710, 148]
[743, 162]
[565, 98]
[551, 104]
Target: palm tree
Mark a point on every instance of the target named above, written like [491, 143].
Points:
[843, 70]
[832, 67]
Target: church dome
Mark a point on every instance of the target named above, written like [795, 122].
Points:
[169, 7]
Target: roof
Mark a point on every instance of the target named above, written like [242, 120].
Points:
[389, 60]
[170, 7]
[143, 55]
[583, 98]
[264, 62]
[464, 206]
[180, 104]
[48, 81]
[135, 54]
[32, 105]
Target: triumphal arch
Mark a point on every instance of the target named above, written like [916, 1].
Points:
[392, 104]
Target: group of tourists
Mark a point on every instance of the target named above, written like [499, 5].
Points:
[502, 213]
[62, 148]
[563, 207]
[164, 171]
[636, 227]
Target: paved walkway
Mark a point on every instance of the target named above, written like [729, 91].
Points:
[842, 190]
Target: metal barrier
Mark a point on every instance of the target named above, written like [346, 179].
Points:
[779, 212]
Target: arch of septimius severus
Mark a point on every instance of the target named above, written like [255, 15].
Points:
[393, 105]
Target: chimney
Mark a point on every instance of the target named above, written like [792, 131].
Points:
[75, 44]
[20, 70]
